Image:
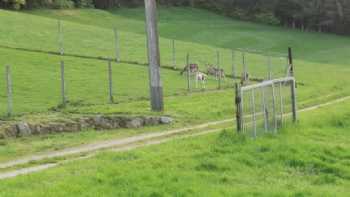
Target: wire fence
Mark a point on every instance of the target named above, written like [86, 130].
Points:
[37, 83]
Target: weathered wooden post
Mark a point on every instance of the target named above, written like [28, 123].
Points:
[110, 81]
[274, 107]
[60, 38]
[238, 102]
[269, 65]
[9, 91]
[173, 53]
[218, 74]
[281, 103]
[116, 42]
[188, 72]
[233, 65]
[156, 89]
[264, 109]
[254, 113]
[290, 58]
[63, 85]
[245, 69]
[294, 100]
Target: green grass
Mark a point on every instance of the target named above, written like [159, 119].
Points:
[36, 80]
[89, 32]
[194, 25]
[307, 159]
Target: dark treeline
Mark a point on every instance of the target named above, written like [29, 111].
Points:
[306, 15]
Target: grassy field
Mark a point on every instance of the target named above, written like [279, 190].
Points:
[89, 33]
[307, 159]
[321, 66]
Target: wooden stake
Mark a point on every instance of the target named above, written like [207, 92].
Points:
[233, 65]
[63, 85]
[218, 69]
[245, 69]
[238, 102]
[294, 101]
[174, 53]
[188, 72]
[290, 57]
[264, 109]
[110, 81]
[274, 107]
[156, 88]
[116, 42]
[254, 113]
[9, 91]
[281, 102]
[60, 38]
[269, 64]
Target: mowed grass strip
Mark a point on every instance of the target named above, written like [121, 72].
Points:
[307, 159]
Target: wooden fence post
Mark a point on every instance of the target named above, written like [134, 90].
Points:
[254, 113]
[233, 65]
[281, 103]
[9, 91]
[188, 72]
[218, 69]
[173, 53]
[63, 85]
[274, 107]
[238, 102]
[245, 69]
[269, 64]
[116, 42]
[264, 110]
[294, 101]
[290, 58]
[156, 87]
[60, 38]
[110, 81]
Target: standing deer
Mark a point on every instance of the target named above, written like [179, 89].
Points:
[217, 72]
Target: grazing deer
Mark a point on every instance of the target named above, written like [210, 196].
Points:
[194, 68]
[201, 77]
[217, 72]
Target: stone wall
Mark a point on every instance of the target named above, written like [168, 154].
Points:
[100, 122]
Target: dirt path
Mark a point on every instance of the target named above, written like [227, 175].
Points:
[122, 144]
[128, 147]
[105, 145]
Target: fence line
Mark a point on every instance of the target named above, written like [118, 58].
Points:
[221, 57]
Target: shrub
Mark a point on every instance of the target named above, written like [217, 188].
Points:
[62, 4]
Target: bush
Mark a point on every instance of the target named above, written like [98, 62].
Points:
[267, 18]
[12, 4]
[62, 4]
[84, 3]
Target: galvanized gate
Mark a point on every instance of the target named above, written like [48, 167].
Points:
[264, 107]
